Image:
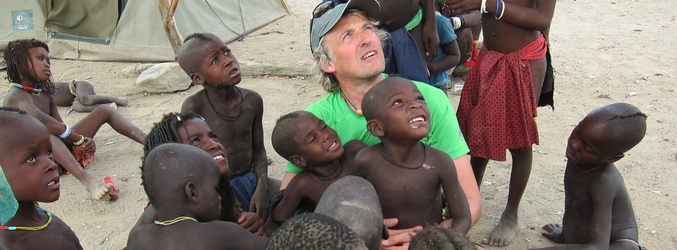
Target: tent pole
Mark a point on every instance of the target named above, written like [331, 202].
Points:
[167, 13]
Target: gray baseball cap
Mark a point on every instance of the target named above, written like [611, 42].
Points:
[320, 25]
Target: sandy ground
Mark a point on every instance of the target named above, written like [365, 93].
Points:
[603, 52]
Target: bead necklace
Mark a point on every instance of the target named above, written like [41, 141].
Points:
[423, 165]
[174, 221]
[225, 117]
[590, 169]
[357, 111]
[34, 91]
[36, 228]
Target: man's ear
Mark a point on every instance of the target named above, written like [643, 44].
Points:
[374, 127]
[616, 158]
[327, 66]
[197, 79]
[191, 192]
[298, 161]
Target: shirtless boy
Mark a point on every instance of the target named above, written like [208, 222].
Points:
[181, 182]
[234, 114]
[28, 68]
[26, 159]
[501, 95]
[397, 113]
[303, 139]
[598, 212]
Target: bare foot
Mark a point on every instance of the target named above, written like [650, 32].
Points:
[120, 101]
[504, 232]
[113, 105]
[98, 191]
[553, 232]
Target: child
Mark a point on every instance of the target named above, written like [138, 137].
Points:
[597, 208]
[397, 113]
[309, 143]
[234, 114]
[190, 128]
[438, 237]
[181, 182]
[448, 54]
[80, 96]
[28, 68]
[26, 159]
[501, 94]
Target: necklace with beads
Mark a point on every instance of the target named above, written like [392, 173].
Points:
[174, 221]
[590, 169]
[423, 165]
[35, 228]
[32, 90]
[354, 108]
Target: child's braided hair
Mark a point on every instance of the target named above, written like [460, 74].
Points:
[19, 63]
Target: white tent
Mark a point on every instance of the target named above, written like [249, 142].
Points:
[95, 29]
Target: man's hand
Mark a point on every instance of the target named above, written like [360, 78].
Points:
[260, 202]
[399, 238]
[252, 222]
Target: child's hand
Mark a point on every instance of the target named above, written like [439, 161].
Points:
[398, 238]
[88, 146]
[252, 222]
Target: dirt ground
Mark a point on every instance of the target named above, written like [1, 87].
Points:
[603, 52]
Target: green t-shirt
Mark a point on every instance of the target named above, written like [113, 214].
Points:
[445, 135]
[8, 204]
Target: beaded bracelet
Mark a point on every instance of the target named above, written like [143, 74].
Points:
[66, 133]
[502, 11]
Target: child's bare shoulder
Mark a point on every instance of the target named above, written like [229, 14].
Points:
[194, 102]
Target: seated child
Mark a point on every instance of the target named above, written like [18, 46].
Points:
[397, 113]
[181, 182]
[309, 143]
[314, 231]
[80, 96]
[190, 128]
[26, 159]
[234, 114]
[597, 208]
[438, 237]
[28, 68]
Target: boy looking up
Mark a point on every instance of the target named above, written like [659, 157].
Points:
[181, 182]
[396, 112]
[234, 114]
[598, 212]
[26, 159]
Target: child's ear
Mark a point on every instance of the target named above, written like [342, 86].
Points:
[197, 79]
[374, 127]
[327, 66]
[617, 157]
[298, 161]
[191, 192]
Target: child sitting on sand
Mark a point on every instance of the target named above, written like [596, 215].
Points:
[309, 143]
[190, 128]
[28, 70]
[26, 159]
[597, 208]
[397, 113]
[181, 182]
[80, 96]
[234, 114]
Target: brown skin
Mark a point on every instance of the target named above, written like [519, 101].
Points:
[44, 108]
[597, 208]
[87, 100]
[395, 14]
[415, 200]
[32, 174]
[218, 72]
[522, 22]
[320, 153]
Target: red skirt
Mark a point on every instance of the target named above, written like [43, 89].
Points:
[498, 105]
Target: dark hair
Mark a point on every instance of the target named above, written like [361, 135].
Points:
[314, 231]
[195, 35]
[18, 59]
[438, 237]
[627, 122]
[282, 134]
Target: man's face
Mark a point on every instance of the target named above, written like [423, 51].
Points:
[356, 49]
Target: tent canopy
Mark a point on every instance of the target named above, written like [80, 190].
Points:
[128, 31]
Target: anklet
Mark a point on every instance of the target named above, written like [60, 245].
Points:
[36, 228]
[173, 221]
[34, 91]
